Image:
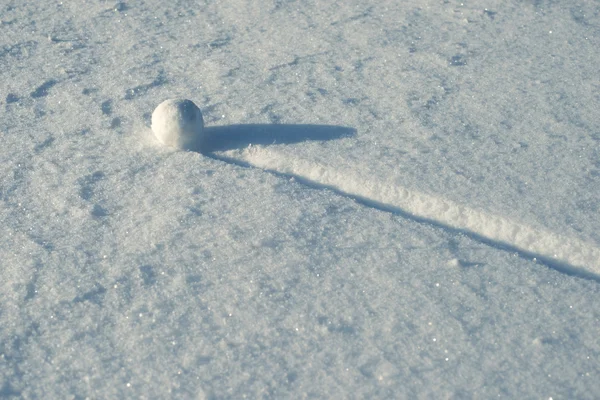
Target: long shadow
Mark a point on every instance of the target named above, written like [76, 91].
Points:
[230, 137]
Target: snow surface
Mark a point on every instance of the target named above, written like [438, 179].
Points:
[396, 200]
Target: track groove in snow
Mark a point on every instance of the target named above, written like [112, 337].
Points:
[568, 255]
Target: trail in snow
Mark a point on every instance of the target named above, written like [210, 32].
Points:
[568, 255]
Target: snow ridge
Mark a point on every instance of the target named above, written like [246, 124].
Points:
[565, 254]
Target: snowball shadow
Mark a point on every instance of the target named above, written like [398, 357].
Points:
[230, 137]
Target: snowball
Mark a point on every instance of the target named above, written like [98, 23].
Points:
[178, 123]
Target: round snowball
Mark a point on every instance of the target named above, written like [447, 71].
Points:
[178, 123]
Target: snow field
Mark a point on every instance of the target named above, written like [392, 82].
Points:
[133, 270]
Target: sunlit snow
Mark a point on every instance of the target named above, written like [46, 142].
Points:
[393, 199]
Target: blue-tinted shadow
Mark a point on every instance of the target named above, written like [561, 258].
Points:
[230, 137]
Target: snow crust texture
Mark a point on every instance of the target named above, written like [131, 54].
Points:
[131, 269]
